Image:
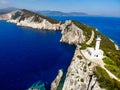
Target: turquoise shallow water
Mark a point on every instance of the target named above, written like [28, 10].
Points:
[28, 55]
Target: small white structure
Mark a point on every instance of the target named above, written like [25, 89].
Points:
[95, 53]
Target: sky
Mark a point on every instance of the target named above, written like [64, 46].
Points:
[92, 7]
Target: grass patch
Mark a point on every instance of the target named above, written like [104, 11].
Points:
[111, 66]
[83, 46]
[105, 81]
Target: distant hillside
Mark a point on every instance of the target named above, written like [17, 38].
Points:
[7, 10]
[59, 13]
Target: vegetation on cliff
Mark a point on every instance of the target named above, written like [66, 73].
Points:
[86, 29]
[106, 44]
[105, 81]
[112, 59]
[111, 66]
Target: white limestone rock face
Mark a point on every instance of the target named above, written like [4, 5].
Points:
[30, 19]
[42, 25]
[72, 34]
[5, 17]
[80, 75]
[10, 15]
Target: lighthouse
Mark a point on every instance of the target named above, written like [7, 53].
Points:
[95, 53]
[98, 40]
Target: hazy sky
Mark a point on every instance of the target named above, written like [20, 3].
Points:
[92, 7]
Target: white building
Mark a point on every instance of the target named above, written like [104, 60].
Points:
[95, 53]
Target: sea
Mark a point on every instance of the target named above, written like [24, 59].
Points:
[28, 56]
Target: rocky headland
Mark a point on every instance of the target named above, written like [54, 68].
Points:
[82, 74]
[27, 18]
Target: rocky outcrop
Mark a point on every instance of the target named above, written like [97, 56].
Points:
[56, 82]
[30, 19]
[80, 74]
[72, 34]
[43, 25]
[5, 16]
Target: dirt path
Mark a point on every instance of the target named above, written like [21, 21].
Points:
[111, 75]
[91, 38]
[101, 64]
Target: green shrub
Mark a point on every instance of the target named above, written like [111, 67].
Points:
[82, 80]
[83, 46]
[89, 64]
[80, 57]
[107, 60]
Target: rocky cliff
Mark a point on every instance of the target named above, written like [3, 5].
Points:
[27, 18]
[80, 74]
[72, 34]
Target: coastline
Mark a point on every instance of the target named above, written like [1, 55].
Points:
[72, 74]
[71, 34]
[72, 62]
[116, 46]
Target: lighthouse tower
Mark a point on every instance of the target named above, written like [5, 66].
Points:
[98, 39]
[95, 53]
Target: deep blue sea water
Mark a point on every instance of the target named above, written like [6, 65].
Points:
[109, 26]
[28, 55]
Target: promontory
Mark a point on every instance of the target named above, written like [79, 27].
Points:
[96, 62]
